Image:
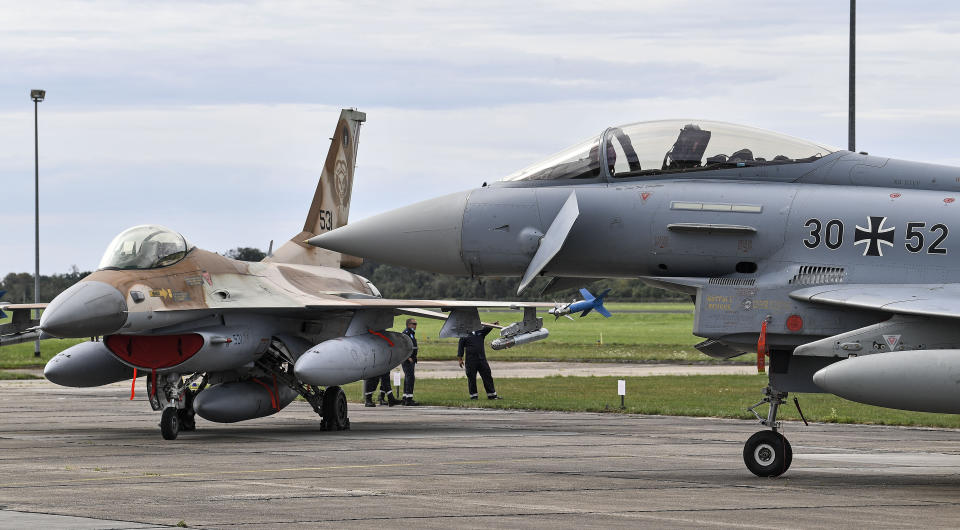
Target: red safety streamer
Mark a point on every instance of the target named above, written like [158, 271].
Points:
[274, 401]
[382, 336]
[133, 385]
[762, 348]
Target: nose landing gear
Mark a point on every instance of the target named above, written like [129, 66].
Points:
[768, 453]
[171, 393]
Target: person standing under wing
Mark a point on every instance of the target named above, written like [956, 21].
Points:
[370, 386]
[410, 365]
[472, 348]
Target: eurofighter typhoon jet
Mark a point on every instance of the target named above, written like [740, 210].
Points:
[250, 336]
[839, 264]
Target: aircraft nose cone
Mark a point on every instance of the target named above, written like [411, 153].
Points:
[87, 309]
[424, 236]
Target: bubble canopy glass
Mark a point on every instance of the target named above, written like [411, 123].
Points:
[668, 146]
[145, 247]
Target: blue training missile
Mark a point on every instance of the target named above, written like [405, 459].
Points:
[589, 303]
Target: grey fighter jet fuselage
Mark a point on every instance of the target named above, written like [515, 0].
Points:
[832, 254]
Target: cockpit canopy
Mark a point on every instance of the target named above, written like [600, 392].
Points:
[145, 247]
[657, 147]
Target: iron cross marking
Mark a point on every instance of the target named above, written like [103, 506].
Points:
[873, 236]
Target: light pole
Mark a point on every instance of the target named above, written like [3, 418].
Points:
[37, 96]
[851, 82]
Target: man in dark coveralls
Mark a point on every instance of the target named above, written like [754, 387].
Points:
[472, 348]
[409, 366]
[386, 390]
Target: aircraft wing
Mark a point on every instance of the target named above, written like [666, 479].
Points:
[444, 305]
[313, 305]
[932, 300]
[21, 328]
[426, 313]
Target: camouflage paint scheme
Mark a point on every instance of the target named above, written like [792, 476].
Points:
[249, 337]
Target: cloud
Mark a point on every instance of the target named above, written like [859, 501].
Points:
[213, 117]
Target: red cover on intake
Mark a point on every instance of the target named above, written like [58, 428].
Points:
[154, 351]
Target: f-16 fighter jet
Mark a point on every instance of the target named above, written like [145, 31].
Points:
[838, 264]
[231, 340]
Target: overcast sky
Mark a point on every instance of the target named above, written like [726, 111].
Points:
[213, 118]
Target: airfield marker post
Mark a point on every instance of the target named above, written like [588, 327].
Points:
[622, 391]
[396, 381]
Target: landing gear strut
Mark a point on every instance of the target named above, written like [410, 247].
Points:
[768, 453]
[171, 393]
[330, 404]
[187, 415]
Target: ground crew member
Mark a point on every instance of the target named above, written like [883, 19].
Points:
[472, 348]
[370, 386]
[410, 364]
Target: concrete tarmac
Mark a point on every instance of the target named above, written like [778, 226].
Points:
[91, 458]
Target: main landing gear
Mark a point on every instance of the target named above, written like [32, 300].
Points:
[768, 453]
[330, 403]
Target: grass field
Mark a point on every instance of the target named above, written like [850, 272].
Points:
[7, 376]
[635, 333]
[21, 355]
[725, 396]
[661, 333]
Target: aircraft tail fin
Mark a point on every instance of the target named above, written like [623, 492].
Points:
[331, 200]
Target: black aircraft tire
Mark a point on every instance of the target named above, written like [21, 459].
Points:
[767, 454]
[169, 423]
[335, 409]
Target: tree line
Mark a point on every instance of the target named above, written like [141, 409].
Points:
[392, 281]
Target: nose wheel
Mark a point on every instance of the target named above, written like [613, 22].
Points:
[170, 423]
[768, 453]
[172, 393]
